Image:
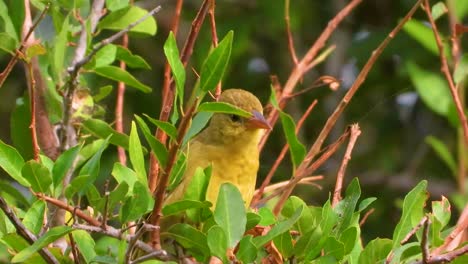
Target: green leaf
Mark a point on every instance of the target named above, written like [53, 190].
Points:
[172, 54]
[438, 10]
[90, 169]
[19, 127]
[123, 174]
[442, 210]
[376, 251]
[413, 207]
[365, 203]
[113, 5]
[136, 155]
[267, 217]
[461, 9]
[60, 50]
[183, 205]
[8, 43]
[7, 24]
[461, 70]
[284, 244]
[12, 163]
[333, 247]
[217, 242]
[117, 74]
[132, 61]
[103, 92]
[443, 152]
[247, 251]
[137, 205]
[278, 229]
[85, 244]
[101, 129]
[64, 163]
[349, 238]
[105, 56]
[198, 123]
[17, 14]
[252, 220]
[296, 148]
[191, 239]
[309, 242]
[306, 222]
[215, 65]
[229, 213]
[422, 34]
[37, 175]
[34, 217]
[8, 189]
[178, 171]
[52, 235]
[122, 18]
[167, 127]
[345, 207]
[116, 196]
[157, 147]
[400, 252]
[220, 107]
[432, 88]
[196, 190]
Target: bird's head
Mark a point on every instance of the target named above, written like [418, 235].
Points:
[233, 127]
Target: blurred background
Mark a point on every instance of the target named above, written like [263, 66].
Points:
[393, 152]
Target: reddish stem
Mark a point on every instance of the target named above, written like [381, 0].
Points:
[119, 106]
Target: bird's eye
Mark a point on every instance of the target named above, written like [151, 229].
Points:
[235, 118]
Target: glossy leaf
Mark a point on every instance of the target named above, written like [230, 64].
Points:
[123, 174]
[137, 205]
[49, 237]
[247, 251]
[183, 205]
[229, 213]
[267, 216]
[157, 147]
[432, 88]
[105, 56]
[191, 239]
[136, 155]
[215, 65]
[122, 18]
[103, 92]
[8, 43]
[422, 34]
[167, 127]
[64, 163]
[284, 244]
[220, 107]
[306, 222]
[376, 251]
[34, 217]
[117, 74]
[296, 148]
[12, 163]
[279, 228]
[37, 175]
[198, 123]
[217, 242]
[252, 220]
[85, 244]
[346, 207]
[309, 242]
[413, 207]
[132, 60]
[172, 54]
[101, 129]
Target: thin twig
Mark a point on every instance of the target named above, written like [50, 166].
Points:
[366, 215]
[106, 205]
[214, 40]
[277, 188]
[74, 249]
[424, 241]
[32, 126]
[355, 132]
[25, 233]
[69, 208]
[134, 239]
[446, 71]
[164, 179]
[460, 228]
[267, 180]
[303, 65]
[414, 230]
[447, 257]
[19, 51]
[292, 51]
[119, 106]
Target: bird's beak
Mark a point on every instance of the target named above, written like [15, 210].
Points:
[258, 121]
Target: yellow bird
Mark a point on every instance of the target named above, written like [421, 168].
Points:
[230, 145]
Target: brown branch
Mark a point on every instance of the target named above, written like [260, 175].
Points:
[414, 230]
[25, 233]
[286, 191]
[278, 187]
[292, 51]
[214, 39]
[366, 215]
[75, 211]
[119, 106]
[32, 99]
[267, 180]
[164, 179]
[4, 74]
[303, 65]
[459, 230]
[424, 241]
[447, 257]
[355, 132]
[446, 71]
